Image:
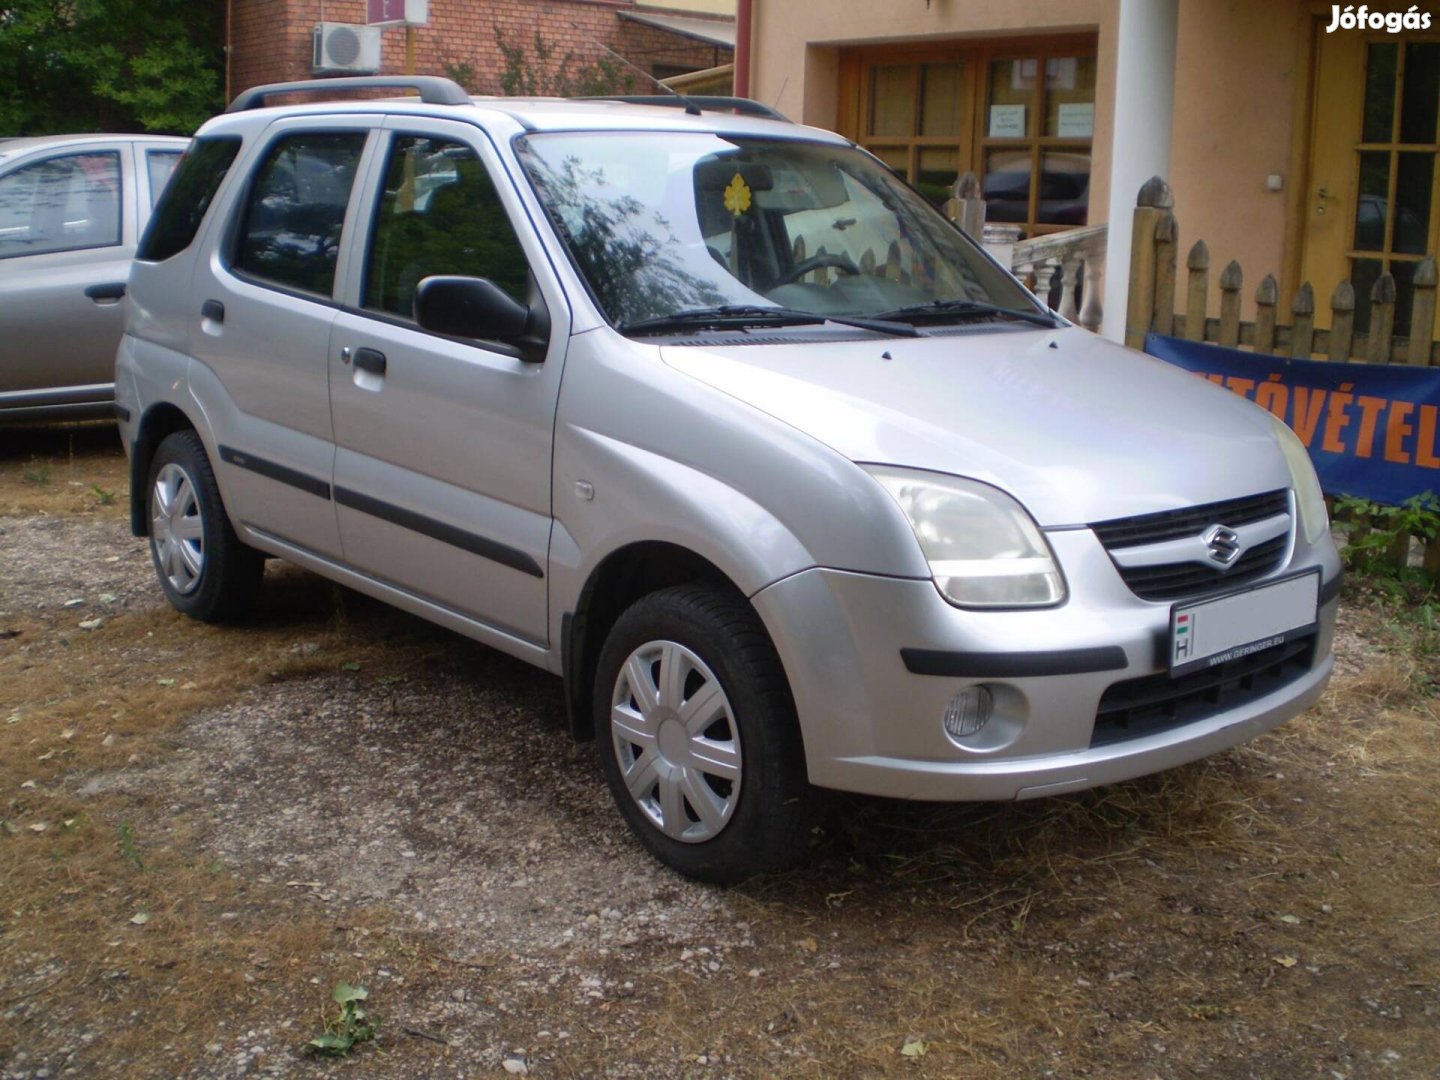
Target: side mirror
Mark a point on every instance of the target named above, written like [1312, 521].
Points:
[469, 307]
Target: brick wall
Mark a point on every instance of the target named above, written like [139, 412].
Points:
[270, 39]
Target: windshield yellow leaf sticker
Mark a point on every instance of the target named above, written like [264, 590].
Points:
[737, 196]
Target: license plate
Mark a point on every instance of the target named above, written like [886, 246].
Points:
[1204, 633]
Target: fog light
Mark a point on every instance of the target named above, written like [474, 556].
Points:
[968, 712]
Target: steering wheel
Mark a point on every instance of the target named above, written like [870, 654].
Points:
[815, 262]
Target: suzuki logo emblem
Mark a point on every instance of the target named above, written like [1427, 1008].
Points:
[1224, 544]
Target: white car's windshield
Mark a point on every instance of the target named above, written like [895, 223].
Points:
[664, 224]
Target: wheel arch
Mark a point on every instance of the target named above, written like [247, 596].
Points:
[620, 579]
[160, 420]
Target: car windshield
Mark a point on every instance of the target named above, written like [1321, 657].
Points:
[664, 225]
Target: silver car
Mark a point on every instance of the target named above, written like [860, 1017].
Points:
[71, 210]
[713, 417]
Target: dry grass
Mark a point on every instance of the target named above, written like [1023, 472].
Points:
[69, 469]
[78, 869]
[1270, 912]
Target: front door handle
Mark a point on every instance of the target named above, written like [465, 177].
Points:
[110, 290]
[370, 360]
[213, 310]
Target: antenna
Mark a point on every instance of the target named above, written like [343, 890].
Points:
[781, 94]
[690, 107]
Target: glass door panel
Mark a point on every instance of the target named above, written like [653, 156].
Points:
[939, 166]
[1395, 220]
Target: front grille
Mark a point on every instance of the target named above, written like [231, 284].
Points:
[1154, 703]
[1172, 581]
[1173, 524]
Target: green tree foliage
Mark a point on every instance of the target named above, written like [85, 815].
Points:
[109, 65]
[542, 71]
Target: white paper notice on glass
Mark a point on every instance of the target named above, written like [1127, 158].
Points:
[1077, 120]
[1007, 121]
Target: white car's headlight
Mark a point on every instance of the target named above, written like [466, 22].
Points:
[983, 549]
[1309, 498]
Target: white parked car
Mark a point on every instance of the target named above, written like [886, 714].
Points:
[72, 208]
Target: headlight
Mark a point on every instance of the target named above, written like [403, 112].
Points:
[1309, 499]
[983, 549]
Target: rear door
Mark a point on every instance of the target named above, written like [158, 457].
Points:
[443, 447]
[263, 303]
[67, 234]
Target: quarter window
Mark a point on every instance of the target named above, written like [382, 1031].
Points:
[185, 199]
[439, 214]
[296, 208]
[63, 203]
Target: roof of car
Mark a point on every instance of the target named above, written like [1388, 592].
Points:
[30, 142]
[567, 114]
[441, 98]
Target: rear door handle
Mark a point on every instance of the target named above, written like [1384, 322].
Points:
[110, 290]
[370, 360]
[213, 310]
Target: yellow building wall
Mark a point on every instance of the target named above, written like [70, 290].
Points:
[1239, 68]
[703, 7]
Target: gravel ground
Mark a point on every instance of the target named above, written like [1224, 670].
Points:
[455, 799]
[452, 799]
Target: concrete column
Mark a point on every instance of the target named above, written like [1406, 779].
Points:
[1144, 116]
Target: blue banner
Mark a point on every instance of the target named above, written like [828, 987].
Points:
[1373, 430]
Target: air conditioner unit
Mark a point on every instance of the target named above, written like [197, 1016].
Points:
[346, 47]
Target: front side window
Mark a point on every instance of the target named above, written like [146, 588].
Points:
[440, 214]
[668, 223]
[186, 197]
[290, 234]
[63, 203]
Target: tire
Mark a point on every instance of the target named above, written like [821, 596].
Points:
[715, 787]
[204, 568]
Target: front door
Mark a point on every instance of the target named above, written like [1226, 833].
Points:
[443, 446]
[1373, 202]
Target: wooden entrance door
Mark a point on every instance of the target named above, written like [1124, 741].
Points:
[1373, 203]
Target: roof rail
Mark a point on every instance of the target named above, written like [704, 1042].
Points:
[433, 89]
[743, 106]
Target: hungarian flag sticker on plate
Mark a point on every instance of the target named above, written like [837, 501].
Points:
[1204, 633]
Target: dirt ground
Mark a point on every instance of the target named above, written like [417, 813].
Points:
[203, 830]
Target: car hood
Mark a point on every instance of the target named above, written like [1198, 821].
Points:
[1078, 429]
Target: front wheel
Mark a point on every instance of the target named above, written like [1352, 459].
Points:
[204, 568]
[698, 736]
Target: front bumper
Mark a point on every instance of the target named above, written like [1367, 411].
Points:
[872, 720]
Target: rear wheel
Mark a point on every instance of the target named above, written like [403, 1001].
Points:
[698, 736]
[204, 568]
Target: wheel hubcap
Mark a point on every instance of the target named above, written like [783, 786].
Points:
[177, 533]
[676, 741]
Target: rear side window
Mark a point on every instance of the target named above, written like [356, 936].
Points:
[187, 196]
[161, 164]
[63, 203]
[290, 232]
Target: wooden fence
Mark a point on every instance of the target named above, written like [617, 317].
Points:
[1154, 286]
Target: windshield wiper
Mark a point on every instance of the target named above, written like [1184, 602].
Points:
[725, 316]
[964, 308]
